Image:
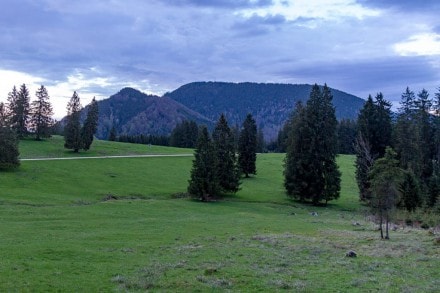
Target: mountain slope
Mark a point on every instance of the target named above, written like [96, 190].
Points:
[133, 112]
[270, 104]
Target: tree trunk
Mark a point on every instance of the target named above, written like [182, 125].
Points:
[387, 235]
[380, 225]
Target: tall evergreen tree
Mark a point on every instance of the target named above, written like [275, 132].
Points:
[228, 172]
[112, 135]
[295, 162]
[410, 191]
[72, 130]
[405, 132]
[20, 108]
[9, 152]
[311, 159]
[347, 130]
[374, 135]
[184, 135]
[204, 183]
[90, 125]
[41, 114]
[247, 146]
[425, 136]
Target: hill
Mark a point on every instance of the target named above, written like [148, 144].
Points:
[270, 104]
[133, 112]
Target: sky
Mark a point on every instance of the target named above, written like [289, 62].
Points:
[97, 47]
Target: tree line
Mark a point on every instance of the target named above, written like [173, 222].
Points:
[218, 163]
[398, 155]
[20, 118]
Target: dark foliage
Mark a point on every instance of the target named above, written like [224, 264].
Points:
[19, 107]
[227, 169]
[269, 104]
[9, 152]
[90, 125]
[247, 147]
[184, 135]
[72, 130]
[203, 183]
[311, 172]
[41, 114]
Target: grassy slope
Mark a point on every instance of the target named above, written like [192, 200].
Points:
[58, 234]
[53, 147]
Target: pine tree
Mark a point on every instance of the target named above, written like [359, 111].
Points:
[310, 167]
[294, 163]
[72, 130]
[410, 191]
[41, 114]
[90, 125]
[20, 108]
[112, 135]
[247, 146]
[405, 132]
[385, 177]
[374, 135]
[347, 130]
[9, 143]
[227, 169]
[204, 183]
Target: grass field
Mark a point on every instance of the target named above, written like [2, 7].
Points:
[119, 225]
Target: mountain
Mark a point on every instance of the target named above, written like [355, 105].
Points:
[133, 112]
[269, 103]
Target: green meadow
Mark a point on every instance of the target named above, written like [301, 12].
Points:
[123, 224]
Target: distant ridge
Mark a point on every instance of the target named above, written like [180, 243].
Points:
[133, 112]
[269, 103]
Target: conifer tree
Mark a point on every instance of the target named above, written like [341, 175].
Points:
[72, 130]
[374, 135]
[311, 172]
[112, 135]
[385, 177]
[227, 169]
[9, 152]
[41, 114]
[294, 163]
[90, 125]
[19, 107]
[247, 146]
[405, 132]
[410, 191]
[204, 183]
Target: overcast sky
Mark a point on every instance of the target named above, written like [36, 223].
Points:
[97, 47]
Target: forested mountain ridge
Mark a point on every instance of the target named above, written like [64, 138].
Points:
[132, 112]
[269, 103]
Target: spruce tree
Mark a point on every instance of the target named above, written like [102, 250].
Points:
[374, 135]
[227, 169]
[9, 152]
[247, 146]
[204, 183]
[41, 114]
[405, 132]
[112, 135]
[72, 130]
[410, 191]
[20, 108]
[385, 177]
[294, 162]
[310, 171]
[90, 125]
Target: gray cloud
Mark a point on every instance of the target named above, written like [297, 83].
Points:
[159, 45]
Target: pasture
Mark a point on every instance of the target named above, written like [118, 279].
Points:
[122, 225]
